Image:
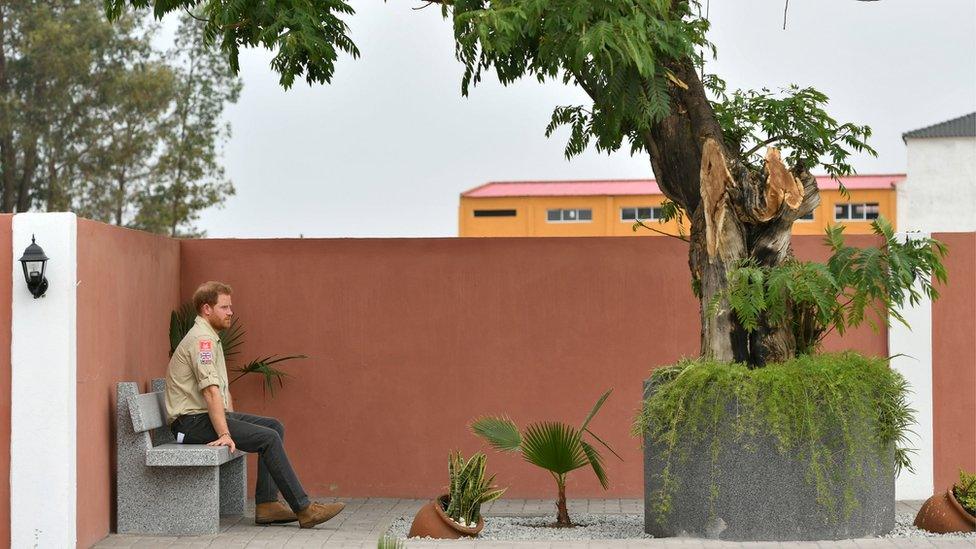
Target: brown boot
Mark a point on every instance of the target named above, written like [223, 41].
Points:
[317, 513]
[273, 512]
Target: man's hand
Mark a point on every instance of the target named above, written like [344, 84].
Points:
[224, 440]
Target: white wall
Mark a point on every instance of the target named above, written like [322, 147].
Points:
[939, 193]
[916, 344]
[43, 409]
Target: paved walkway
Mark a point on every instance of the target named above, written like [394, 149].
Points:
[364, 521]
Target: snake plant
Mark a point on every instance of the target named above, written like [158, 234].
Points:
[469, 488]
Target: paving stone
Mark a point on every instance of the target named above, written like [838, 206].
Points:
[365, 520]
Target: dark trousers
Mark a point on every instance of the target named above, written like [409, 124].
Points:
[256, 434]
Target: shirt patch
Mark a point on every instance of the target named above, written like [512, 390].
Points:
[206, 345]
[206, 357]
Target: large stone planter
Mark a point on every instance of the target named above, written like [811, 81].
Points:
[762, 495]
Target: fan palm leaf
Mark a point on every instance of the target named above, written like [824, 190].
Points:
[554, 446]
[501, 433]
[265, 368]
[180, 322]
[596, 462]
[595, 409]
[231, 339]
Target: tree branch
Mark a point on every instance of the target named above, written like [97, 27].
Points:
[769, 141]
[642, 224]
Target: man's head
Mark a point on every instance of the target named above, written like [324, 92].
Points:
[212, 301]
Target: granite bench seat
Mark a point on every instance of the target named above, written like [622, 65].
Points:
[165, 487]
[189, 455]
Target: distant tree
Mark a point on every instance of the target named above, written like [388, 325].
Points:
[188, 177]
[94, 120]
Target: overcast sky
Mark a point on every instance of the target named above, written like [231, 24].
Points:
[386, 149]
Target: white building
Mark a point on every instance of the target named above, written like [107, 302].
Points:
[939, 192]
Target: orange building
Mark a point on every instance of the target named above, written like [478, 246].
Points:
[610, 207]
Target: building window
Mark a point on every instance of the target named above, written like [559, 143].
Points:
[494, 213]
[643, 213]
[576, 215]
[856, 212]
[808, 217]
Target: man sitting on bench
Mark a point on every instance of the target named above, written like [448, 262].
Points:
[199, 410]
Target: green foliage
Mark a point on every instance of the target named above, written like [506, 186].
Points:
[965, 491]
[231, 338]
[387, 542]
[793, 119]
[102, 123]
[617, 51]
[469, 489]
[265, 368]
[827, 410]
[815, 298]
[556, 447]
[307, 36]
[180, 322]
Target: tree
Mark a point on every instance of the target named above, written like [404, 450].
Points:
[93, 119]
[638, 62]
[188, 177]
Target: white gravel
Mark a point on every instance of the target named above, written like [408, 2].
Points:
[602, 526]
[588, 526]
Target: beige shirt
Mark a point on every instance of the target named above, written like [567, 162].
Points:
[197, 363]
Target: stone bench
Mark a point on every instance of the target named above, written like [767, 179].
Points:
[168, 488]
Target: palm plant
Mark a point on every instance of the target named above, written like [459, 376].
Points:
[556, 447]
[469, 489]
[265, 368]
[231, 338]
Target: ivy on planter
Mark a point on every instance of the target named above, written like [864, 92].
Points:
[799, 403]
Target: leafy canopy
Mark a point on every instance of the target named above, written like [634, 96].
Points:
[616, 50]
[794, 119]
[307, 35]
[816, 298]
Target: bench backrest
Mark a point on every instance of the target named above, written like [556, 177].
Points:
[148, 411]
[142, 417]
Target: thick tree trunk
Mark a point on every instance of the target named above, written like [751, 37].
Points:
[27, 177]
[736, 214]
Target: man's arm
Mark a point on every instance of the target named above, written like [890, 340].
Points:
[230, 402]
[215, 409]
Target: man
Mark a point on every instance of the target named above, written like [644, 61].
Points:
[199, 410]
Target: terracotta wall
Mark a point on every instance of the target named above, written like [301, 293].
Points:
[411, 339]
[128, 284]
[6, 286]
[954, 362]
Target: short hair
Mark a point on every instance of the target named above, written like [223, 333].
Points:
[208, 292]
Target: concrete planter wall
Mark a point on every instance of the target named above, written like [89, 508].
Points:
[762, 495]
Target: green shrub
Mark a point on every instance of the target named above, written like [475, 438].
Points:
[799, 403]
[965, 491]
[469, 488]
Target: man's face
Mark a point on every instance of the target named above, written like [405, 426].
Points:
[220, 315]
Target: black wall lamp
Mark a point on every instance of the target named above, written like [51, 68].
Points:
[35, 266]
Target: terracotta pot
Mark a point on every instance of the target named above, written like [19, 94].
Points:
[431, 522]
[942, 514]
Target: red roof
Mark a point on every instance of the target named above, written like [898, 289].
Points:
[615, 187]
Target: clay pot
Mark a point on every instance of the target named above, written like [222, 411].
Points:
[431, 522]
[943, 514]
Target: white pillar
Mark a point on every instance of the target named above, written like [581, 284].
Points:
[43, 408]
[916, 366]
